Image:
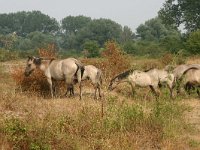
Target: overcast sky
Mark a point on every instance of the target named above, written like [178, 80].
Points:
[125, 12]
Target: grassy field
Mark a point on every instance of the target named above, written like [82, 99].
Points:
[118, 121]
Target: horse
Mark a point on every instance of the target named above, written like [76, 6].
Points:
[150, 78]
[191, 80]
[134, 78]
[90, 73]
[163, 77]
[179, 71]
[66, 69]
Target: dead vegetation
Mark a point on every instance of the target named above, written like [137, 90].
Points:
[29, 119]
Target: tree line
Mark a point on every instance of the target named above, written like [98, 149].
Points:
[28, 31]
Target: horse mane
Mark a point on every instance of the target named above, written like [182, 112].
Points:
[192, 68]
[124, 74]
[52, 59]
[149, 69]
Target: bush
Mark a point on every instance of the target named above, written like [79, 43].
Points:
[193, 42]
[6, 55]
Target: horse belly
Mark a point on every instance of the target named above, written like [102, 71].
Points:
[142, 81]
[57, 73]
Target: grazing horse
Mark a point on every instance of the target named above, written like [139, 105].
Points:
[134, 77]
[91, 73]
[192, 79]
[66, 69]
[150, 78]
[162, 77]
[179, 71]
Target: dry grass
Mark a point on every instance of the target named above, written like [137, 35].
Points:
[30, 121]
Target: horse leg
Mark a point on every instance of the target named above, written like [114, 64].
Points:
[72, 90]
[95, 92]
[68, 89]
[154, 91]
[170, 90]
[198, 91]
[188, 88]
[50, 86]
[132, 88]
[54, 87]
[99, 89]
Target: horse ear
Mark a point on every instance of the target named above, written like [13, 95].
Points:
[29, 57]
[37, 61]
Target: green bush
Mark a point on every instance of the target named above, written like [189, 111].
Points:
[6, 55]
[193, 42]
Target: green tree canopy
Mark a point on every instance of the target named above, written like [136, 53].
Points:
[177, 12]
[24, 23]
[100, 30]
[155, 30]
[193, 42]
[72, 24]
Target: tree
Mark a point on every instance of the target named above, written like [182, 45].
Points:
[127, 35]
[100, 30]
[155, 30]
[39, 39]
[72, 25]
[193, 42]
[24, 23]
[91, 48]
[177, 12]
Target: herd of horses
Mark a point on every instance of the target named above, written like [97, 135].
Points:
[72, 71]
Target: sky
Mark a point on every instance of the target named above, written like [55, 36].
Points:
[129, 13]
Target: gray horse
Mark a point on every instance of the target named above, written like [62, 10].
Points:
[162, 77]
[150, 78]
[66, 69]
[179, 71]
[93, 74]
[191, 80]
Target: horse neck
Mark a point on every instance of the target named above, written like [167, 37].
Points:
[44, 65]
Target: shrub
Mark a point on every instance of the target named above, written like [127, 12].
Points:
[36, 84]
[193, 42]
[6, 55]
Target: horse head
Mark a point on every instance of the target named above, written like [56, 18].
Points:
[31, 65]
[113, 84]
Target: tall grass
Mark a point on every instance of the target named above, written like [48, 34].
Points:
[32, 122]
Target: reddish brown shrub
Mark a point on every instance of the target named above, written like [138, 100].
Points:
[36, 83]
[49, 51]
[114, 61]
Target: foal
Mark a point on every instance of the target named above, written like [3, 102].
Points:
[93, 74]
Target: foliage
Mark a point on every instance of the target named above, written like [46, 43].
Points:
[91, 49]
[155, 30]
[6, 55]
[73, 24]
[115, 60]
[177, 12]
[24, 23]
[193, 42]
[100, 30]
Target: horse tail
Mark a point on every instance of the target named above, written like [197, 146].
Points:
[80, 67]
